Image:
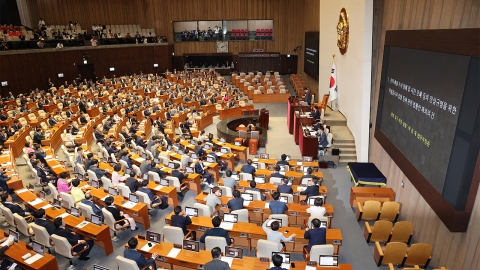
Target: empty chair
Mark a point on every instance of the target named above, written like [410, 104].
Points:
[215, 241]
[63, 248]
[226, 191]
[23, 226]
[379, 232]
[114, 224]
[242, 215]
[316, 251]
[394, 253]
[136, 169]
[369, 211]
[283, 217]
[154, 176]
[203, 210]
[265, 248]
[173, 181]
[245, 176]
[390, 211]
[256, 194]
[127, 264]
[402, 232]
[107, 183]
[67, 200]
[289, 197]
[53, 190]
[41, 235]
[123, 190]
[419, 254]
[276, 180]
[86, 210]
[174, 235]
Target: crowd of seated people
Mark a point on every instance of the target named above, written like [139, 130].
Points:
[210, 34]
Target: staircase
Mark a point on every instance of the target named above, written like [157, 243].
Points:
[343, 138]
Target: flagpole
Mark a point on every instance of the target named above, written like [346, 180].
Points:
[331, 102]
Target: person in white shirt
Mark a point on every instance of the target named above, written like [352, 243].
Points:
[116, 177]
[185, 159]
[212, 199]
[202, 137]
[317, 209]
[116, 118]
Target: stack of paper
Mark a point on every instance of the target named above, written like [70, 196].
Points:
[226, 225]
[228, 260]
[129, 205]
[33, 259]
[173, 252]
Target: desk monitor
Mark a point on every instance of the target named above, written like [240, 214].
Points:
[224, 150]
[14, 234]
[235, 176]
[164, 182]
[98, 267]
[153, 237]
[265, 156]
[96, 219]
[260, 179]
[247, 196]
[234, 252]
[191, 245]
[328, 260]
[238, 144]
[222, 140]
[285, 255]
[283, 199]
[311, 201]
[206, 147]
[145, 176]
[211, 159]
[171, 165]
[56, 203]
[95, 184]
[112, 191]
[133, 198]
[180, 152]
[42, 195]
[193, 142]
[156, 160]
[305, 168]
[194, 156]
[75, 211]
[128, 171]
[274, 219]
[189, 170]
[31, 187]
[169, 148]
[323, 224]
[287, 158]
[255, 165]
[232, 218]
[191, 212]
[144, 156]
[307, 159]
[38, 248]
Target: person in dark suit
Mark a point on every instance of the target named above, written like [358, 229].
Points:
[98, 135]
[181, 220]
[308, 175]
[139, 141]
[283, 160]
[88, 161]
[277, 173]
[40, 220]
[253, 187]
[237, 202]
[132, 183]
[216, 231]
[322, 138]
[38, 136]
[308, 96]
[315, 236]
[216, 263]
[312, 189]
[248, 168]
[161, 201]
[178, 174]
[201, 169]
[198, 149]
[132, 254]
[94, 168]
[118, 215]
[44, 176]
[83, 120]
[285, 188]
[315, 113]
[221, 164]
[97, 210]
[51, 121]
[277, 261]
[276, 206]
[73, 239]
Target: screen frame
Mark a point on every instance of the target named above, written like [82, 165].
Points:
[307, 71]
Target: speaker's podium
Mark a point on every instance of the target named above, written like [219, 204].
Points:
[253, 142]
[264, 118]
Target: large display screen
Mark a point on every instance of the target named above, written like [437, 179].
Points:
[311, 58]
[421, 104]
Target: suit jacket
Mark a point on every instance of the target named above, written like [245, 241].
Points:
[285, 189]
[216, 232]
[230, 182]
[98, 172]
[41, 174]
[248, 169]
[98, 135]
[179, 175]
[46, 224]
[217, 264]
[199, 168]
[322, 141]
[235, 204]
[71, 238]
[38, 137]
[147, 191]
[52, 122]
[97, 210]
[116, 214]
[279, 175]
[308, 98]
[310, 191]
[181, 222]
[316, 236]
[278, 207]
[132, 184]
[137, 257]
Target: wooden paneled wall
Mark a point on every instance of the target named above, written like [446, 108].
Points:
[453, 250]
[287, 16]
[26, 71]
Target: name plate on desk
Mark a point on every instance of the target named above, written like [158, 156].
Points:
[267, 191]
[312, 263]
[224, 206]
[337, 242]
[244, 235]
[293, 213]
[161, 258]
[256, 210]
[177, 246]
[303, 203]
[264, 259]
[201, 228]
[329, 215]
[296, 193]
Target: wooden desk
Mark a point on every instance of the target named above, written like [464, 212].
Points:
[293, 106]
[297, 129]
[208, 108]
[247, 234]
[204, 121]
[270, 98]
[296, 175]
[239, 151]
[139, 212]
[192, 260]
[101, 234]
[16, 251]
[370, 193]
[308, 144]
[231, 112]
[9, 164]
[17, 142]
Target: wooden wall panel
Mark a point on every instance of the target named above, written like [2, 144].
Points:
[453, 250]
[30, 70]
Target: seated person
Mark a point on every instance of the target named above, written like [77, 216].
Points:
[212, 199]
[217, 263]
[312, 189]
[94, 168]
[315, 236]
[201, 169]
[285, 188]
[160, 202]
[14, 208]
[283, 160]
[237, 202]
[308, 175]
[181, 220]
[317, 209]
[73, 239]
[41, 220]
[221, 164]
[274, 235]
[132, 254]
[277, 262]
[116, 177]
[76, 192]
[216, 231]
[253, 186]
[132, 183]
[276, 206]
[198, 149]
[177, 173]
[228, 181]
[97, 210]
[277, 173]
[248, 168]
[119, 215]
